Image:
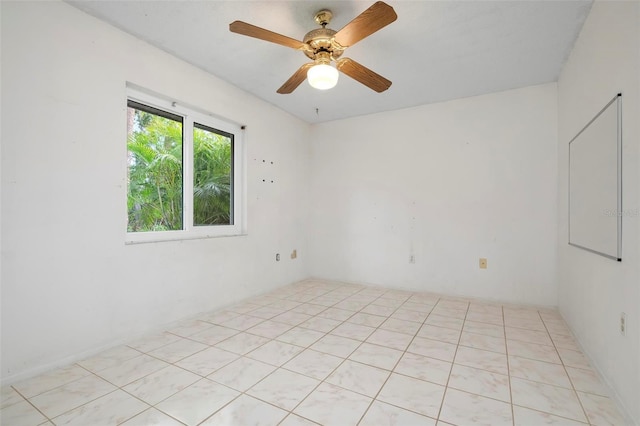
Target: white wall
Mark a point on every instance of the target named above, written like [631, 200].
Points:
[70, 285]
[593, 290]
[448, 183]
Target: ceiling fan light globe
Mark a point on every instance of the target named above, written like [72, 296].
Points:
[322, 76]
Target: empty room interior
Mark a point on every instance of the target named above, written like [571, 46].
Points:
[200, 225]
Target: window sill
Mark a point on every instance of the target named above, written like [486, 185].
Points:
[146, 238]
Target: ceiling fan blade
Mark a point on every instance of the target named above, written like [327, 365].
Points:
[243, 28]
[295, 80]
[363, 74]
[378, 16]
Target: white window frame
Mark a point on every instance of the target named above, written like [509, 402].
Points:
[191, 115]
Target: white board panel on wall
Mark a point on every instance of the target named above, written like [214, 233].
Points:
[595, 184]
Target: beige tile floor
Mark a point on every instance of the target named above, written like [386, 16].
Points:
[331, 354]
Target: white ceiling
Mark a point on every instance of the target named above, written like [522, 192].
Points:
[435, 51]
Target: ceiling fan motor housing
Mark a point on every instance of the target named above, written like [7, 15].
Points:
[321, 40]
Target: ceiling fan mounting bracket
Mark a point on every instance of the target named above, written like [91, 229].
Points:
[323, 17]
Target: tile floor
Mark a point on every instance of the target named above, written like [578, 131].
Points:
[331, 354]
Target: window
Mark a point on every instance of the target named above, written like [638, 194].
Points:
[183, 172]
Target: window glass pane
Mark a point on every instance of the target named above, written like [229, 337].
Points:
[154, 143]
[212, 176]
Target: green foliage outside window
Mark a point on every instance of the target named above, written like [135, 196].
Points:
[155, 188]
[212, 178]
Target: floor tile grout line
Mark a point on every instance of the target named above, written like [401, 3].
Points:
[231, 402]
[479, 394]
[25, 399]
[240, 393]
[186, 356]
[351, 353]
[51, 419]
[154, 406]
[482, 348]
[564, 367]
[506, 348]
[291, 413]
[201, 377]
[453, 360]
[244, 392]
[279, 367]
[121, 388]
[149, 406]
[89, 372]
[536, 381]
[341, 363]
[472, 393]
[320, 382]
[424, 322]
[552, 384]
[537, 360]
[551, 414]
[392, 371]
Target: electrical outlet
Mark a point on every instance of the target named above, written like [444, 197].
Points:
[294, 254]
[623, 324]
[277, 257]
[483, 263]
[412, 259]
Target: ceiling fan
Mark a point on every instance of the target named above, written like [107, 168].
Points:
[324, 45]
